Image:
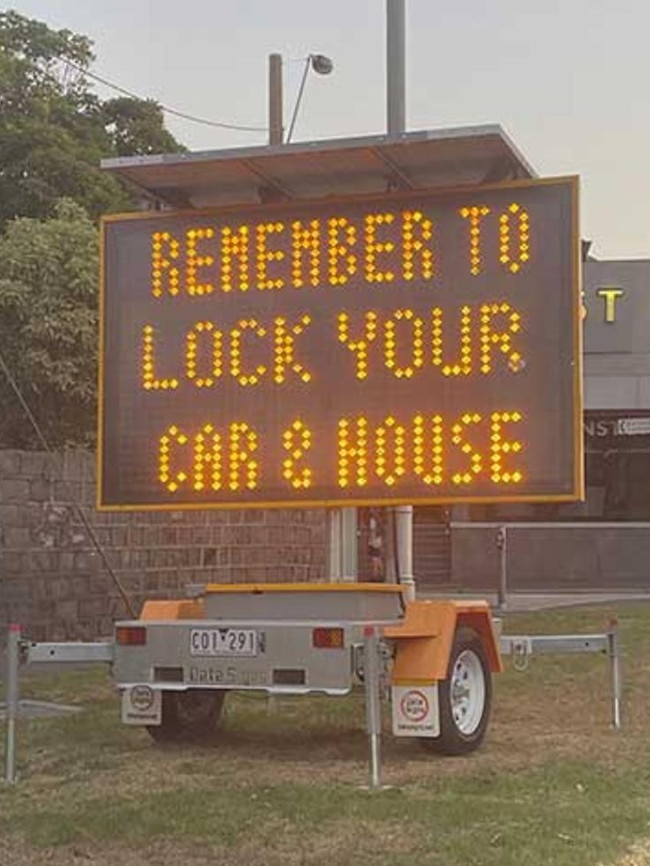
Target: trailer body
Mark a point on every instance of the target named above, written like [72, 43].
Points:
[297, 639]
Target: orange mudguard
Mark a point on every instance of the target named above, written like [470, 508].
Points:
[425, 638]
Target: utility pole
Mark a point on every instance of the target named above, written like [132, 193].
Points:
[276, 130]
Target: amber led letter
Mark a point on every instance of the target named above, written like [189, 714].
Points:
[165, 276]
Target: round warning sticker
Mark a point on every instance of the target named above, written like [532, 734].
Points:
[142, 698]
[414, 705]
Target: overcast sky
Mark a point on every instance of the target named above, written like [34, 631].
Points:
[567, 80]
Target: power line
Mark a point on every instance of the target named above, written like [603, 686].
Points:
[166, 109]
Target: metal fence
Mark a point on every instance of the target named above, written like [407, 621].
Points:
[550, 557]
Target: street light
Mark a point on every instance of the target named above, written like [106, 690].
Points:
[321, 64]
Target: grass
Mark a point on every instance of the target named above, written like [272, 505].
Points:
[554, 783]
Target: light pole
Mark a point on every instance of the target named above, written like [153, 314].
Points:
[320, 64]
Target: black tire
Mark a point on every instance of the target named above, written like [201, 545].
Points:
[189, 716]
[465, 698]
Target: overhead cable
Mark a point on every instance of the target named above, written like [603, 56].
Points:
[216, 123]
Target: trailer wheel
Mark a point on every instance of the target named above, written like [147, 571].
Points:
[465, 698]
[189, 716]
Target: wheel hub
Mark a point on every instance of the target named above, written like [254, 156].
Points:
[467, 692]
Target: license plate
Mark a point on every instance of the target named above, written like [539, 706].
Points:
[223, 642]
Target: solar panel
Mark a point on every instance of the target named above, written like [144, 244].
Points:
[312, 170]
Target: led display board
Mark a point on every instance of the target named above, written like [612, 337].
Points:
[418, 347]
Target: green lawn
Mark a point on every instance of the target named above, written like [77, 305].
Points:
[553, 784]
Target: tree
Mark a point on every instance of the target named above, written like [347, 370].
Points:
[137, 126]
[54, 130]
[48, 327]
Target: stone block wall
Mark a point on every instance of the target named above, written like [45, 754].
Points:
[56, 581]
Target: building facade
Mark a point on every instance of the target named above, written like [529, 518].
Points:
[603, 541]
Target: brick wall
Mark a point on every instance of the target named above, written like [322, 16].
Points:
[53, 580]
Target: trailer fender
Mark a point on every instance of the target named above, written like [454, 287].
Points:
[169, 609]
[423, 641]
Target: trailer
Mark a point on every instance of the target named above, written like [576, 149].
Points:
[431, 660]
[176, 664]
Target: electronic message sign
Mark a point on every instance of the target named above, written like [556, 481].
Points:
[415, 347]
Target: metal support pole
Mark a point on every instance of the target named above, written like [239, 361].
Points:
[502, 544]
[395, 126]
[390, 546]
[333, 549]
[373, 708]
[349, 544]
[11, 700]
[276, 130]
[404, 552]
[342, 546]
[395, 67]
[614, 652]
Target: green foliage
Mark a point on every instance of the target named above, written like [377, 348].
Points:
[48, 327]
[54, 130]
[137, 126]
